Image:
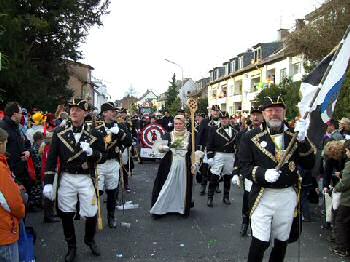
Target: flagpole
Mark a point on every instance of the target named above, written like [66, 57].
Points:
[336, 51]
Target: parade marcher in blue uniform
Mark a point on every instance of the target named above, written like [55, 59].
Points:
[221, 156]
[202, 140]
[115, 138]
[79, 151]
[273, 198]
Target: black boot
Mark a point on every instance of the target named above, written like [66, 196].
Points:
[202, 192]
[51, 220]
[217, 189]
[227, 186]
[49, 215]
[90, 230]
[278, 251]
[245, 225]
[69, 234]
[244, 230]
[71, 254]
[226, 201]
[210, 202]
[257, 250]
[111, 203]
[112, 222]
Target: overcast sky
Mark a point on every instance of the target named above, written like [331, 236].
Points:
[129, 50]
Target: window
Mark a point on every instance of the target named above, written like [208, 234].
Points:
[217, 73]
[240, 62]
[296, 68]
[230, 110]
[283, 73]
[257, 55]
[233, 66]
[227, 69]
[223, 92]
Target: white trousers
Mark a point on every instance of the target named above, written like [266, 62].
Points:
[72, 186]
[223, 164]
[125, 156]
[273, 217]
[108, 173]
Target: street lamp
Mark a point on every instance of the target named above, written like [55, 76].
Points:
[182, 74]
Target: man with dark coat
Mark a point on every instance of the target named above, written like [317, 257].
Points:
[273, 198]
[221, 157]
[128, 163]
[79, 150]
[167, 121]
[18, 145]
[201, 141]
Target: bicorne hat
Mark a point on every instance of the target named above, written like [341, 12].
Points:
[270, 101]
[81, 103]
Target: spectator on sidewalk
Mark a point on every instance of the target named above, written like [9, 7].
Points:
[12, 207]
[342, 222]
[38, 126]
[344, 126]
[18, 145]
[35, 193]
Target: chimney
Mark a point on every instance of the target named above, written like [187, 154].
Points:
[299, 24]
[282, 34]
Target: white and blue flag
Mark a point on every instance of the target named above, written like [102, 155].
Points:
[321, 88]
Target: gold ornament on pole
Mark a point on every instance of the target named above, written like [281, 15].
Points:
[193, 106]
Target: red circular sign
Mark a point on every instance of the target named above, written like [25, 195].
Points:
[151, 133]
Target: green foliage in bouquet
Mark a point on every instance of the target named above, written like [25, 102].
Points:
[177, 143]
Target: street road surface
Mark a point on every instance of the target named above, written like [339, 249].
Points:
[209, 234]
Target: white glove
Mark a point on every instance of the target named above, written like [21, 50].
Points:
[115, 129]
[47, 192]
[235, 180]
[271, 175]
[302, 126]
[170, 124]
[194, 168]
[210, 161]
[198, 155]
[164, 148]
[85, 146]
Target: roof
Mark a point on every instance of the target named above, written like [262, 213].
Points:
[80, 64]
[279, 55]
[146, 93]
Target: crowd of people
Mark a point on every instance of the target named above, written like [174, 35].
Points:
[70, 158]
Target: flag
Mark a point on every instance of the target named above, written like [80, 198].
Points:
[322, 86]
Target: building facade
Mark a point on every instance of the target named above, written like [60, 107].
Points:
[236, 85]
[80, 81]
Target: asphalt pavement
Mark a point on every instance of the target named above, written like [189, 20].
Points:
[208, 234]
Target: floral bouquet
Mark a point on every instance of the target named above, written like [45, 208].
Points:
[177, 143]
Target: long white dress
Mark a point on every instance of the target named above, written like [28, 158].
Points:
[173, 193]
